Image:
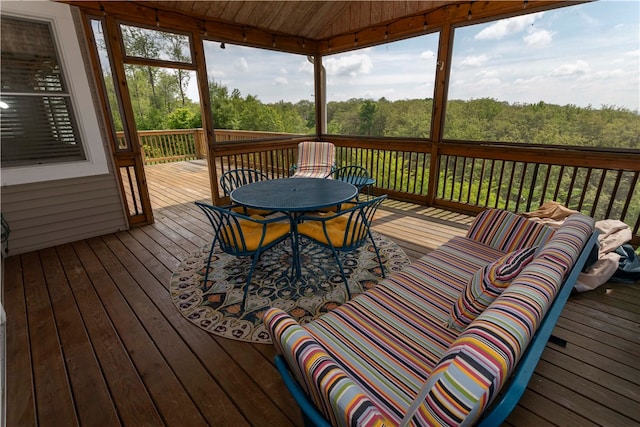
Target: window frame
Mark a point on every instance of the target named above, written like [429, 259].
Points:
[86, 120]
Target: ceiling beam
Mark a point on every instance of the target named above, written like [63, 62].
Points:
[422, 22]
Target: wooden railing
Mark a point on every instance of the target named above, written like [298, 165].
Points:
[520, 179]
[469, 176]
[162, 146]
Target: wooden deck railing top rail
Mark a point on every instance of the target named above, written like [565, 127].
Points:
[470, 176]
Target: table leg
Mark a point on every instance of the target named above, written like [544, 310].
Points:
[295, 250]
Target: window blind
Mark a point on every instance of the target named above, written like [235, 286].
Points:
[37, 122]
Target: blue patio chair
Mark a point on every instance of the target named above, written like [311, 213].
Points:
[242, 235]
[235, 178]
[343, 231]
[353, 174]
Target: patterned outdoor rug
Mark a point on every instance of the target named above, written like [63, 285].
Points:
[216, 307]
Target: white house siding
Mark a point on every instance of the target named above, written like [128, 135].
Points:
[50, 213]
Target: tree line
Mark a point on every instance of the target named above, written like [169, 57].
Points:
[159, 102]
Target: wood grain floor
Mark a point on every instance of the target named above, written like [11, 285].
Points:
[93, 338]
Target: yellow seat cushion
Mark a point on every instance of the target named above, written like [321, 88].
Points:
[251, 211]
[335, 230]
[252, 232]
[338, 208]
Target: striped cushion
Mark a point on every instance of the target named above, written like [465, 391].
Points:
[485, 286]
[339, 398]
[366, 361]
[315, 159]
[388, 339]
[479, 362]
[507, 232]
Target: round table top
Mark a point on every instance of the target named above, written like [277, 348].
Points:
[294, 194]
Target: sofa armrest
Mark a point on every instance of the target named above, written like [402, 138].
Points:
[506, 231]
[476, 367]
[324, 382]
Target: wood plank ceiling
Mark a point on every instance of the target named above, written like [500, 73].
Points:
[310, 27]
[313, 20]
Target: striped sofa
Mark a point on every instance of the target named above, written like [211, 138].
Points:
[395, 355]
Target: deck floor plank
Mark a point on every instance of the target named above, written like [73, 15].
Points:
[233, 380]
[91, 396]
[19, 363]
[592, 373]
[150, 363]
[102, 306]
[118, 370]
[54, 401]
[143, 298]
[562, 394]
[545, 406]
[583, 386]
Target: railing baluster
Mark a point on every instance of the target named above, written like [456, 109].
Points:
[597, 199]
[472, 180]
[481, 180]
[613, 194]
[532, 187]
[490, 185]
[454, 161]
[587, 181]
[559, 183]
[510, 185]
[502, 165]
[520, 185]
[632, 187]
[573, 180]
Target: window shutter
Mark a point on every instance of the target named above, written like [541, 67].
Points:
[37, 122]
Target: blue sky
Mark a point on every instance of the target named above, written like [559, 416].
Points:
[587, 54]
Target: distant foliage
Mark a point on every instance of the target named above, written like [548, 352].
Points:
[158, 103]
[491, 120]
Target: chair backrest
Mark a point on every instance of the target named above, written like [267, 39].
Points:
[315, 159]
[353, 174]
[227, 228]
[358, 222]
[235, 178]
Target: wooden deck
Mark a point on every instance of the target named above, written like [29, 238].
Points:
[94, 339]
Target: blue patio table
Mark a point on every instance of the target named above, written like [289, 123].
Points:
[294, 196]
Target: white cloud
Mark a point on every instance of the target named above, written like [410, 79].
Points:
[578, 67]
[351, 65]
[601, 75]
[474, 61]
[305, 67]
[488, 74]
[528, 82]
[241, 65]
[428, 54]
[538, 39]
[281, 81]
[217, 74]
[489, 82]
[505, 27]
[284, 71]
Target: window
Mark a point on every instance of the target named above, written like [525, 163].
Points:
[38, 124]
[259, 90]
[152, 44]
[384, 90]
[48, 118]
[568, 76]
